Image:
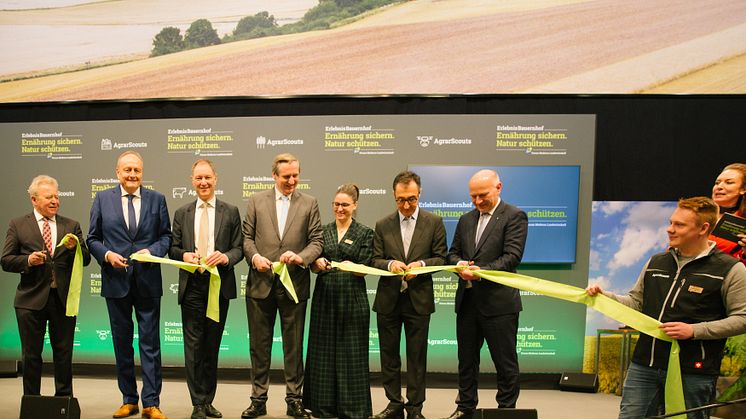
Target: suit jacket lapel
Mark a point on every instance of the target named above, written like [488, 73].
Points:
[292, 210]
[419, 227]
[219, 210]
[188, 229]
[396, 231]
[144, 204]
[117, 198]
[33, 227]
[62, 230]
[271, 208]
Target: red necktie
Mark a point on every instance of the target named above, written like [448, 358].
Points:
[46, 234]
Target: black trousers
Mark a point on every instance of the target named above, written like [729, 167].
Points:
[416, 327]
[202, 338]
[262, 315]
[31, 326]
[472, 330]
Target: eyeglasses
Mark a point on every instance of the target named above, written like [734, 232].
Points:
[341, 204]
[411, 200]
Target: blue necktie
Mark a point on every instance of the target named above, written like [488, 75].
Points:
[131, 216]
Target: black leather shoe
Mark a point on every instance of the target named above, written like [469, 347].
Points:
[390, 413]
[460, 414]
[254, 411]
[212, 412]
[296, 410]
[198, 412]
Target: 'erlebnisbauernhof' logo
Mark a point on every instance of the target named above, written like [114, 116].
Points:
[103, 334]
[262, 142]
[426, 140]
[174, 288]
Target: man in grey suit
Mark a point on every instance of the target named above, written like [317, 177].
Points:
[283, 225]
[491, 237]
[408, 238]
[41, 297]
[206, 229]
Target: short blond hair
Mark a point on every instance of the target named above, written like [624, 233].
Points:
[703, 207]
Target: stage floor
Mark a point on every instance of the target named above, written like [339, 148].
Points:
[99, 397]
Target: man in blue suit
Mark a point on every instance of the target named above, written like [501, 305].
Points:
[124, 220]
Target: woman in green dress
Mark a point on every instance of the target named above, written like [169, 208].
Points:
[337, 380]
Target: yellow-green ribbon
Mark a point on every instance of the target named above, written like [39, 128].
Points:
[213, 294]
[609, 307]
[282, 271]
[72, 307]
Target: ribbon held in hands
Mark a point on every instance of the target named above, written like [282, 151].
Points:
[601, 303]
[72, 306]
[281, 270]
[213, 294]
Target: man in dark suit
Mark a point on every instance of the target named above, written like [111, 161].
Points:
[283, 225]
[408, 238]
[41, 296]
[208, 229]
[491, 237]
[130, 219]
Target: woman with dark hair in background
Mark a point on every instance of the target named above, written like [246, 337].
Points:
[337, 372]
[728, 192]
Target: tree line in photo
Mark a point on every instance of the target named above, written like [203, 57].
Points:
[326, 15]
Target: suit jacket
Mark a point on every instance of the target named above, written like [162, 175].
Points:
[428, 244]
[108, 231]
[500, 248]
[25, 238]
[228, 240]
[303, 235]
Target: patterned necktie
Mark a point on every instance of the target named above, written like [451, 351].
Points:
[484, 219]
[203, 241]
[131, 219]
[283, 216]
[47, 235]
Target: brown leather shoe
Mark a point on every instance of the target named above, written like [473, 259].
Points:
[153, 412]
[126, 410]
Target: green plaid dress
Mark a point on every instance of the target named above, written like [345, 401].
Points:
[337, 382]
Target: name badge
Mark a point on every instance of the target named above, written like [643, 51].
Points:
[696, 289]
[348, 241]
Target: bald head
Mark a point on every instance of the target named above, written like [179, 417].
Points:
[484, 189]
[485, 175]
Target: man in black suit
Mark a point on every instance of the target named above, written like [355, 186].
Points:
[206, 229]
[41, 297]
[281, 224]
[491, 237]
[408, 238]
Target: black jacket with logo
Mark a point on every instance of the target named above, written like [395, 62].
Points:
[691, 293]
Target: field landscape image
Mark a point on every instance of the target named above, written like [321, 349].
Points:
[89, 50]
